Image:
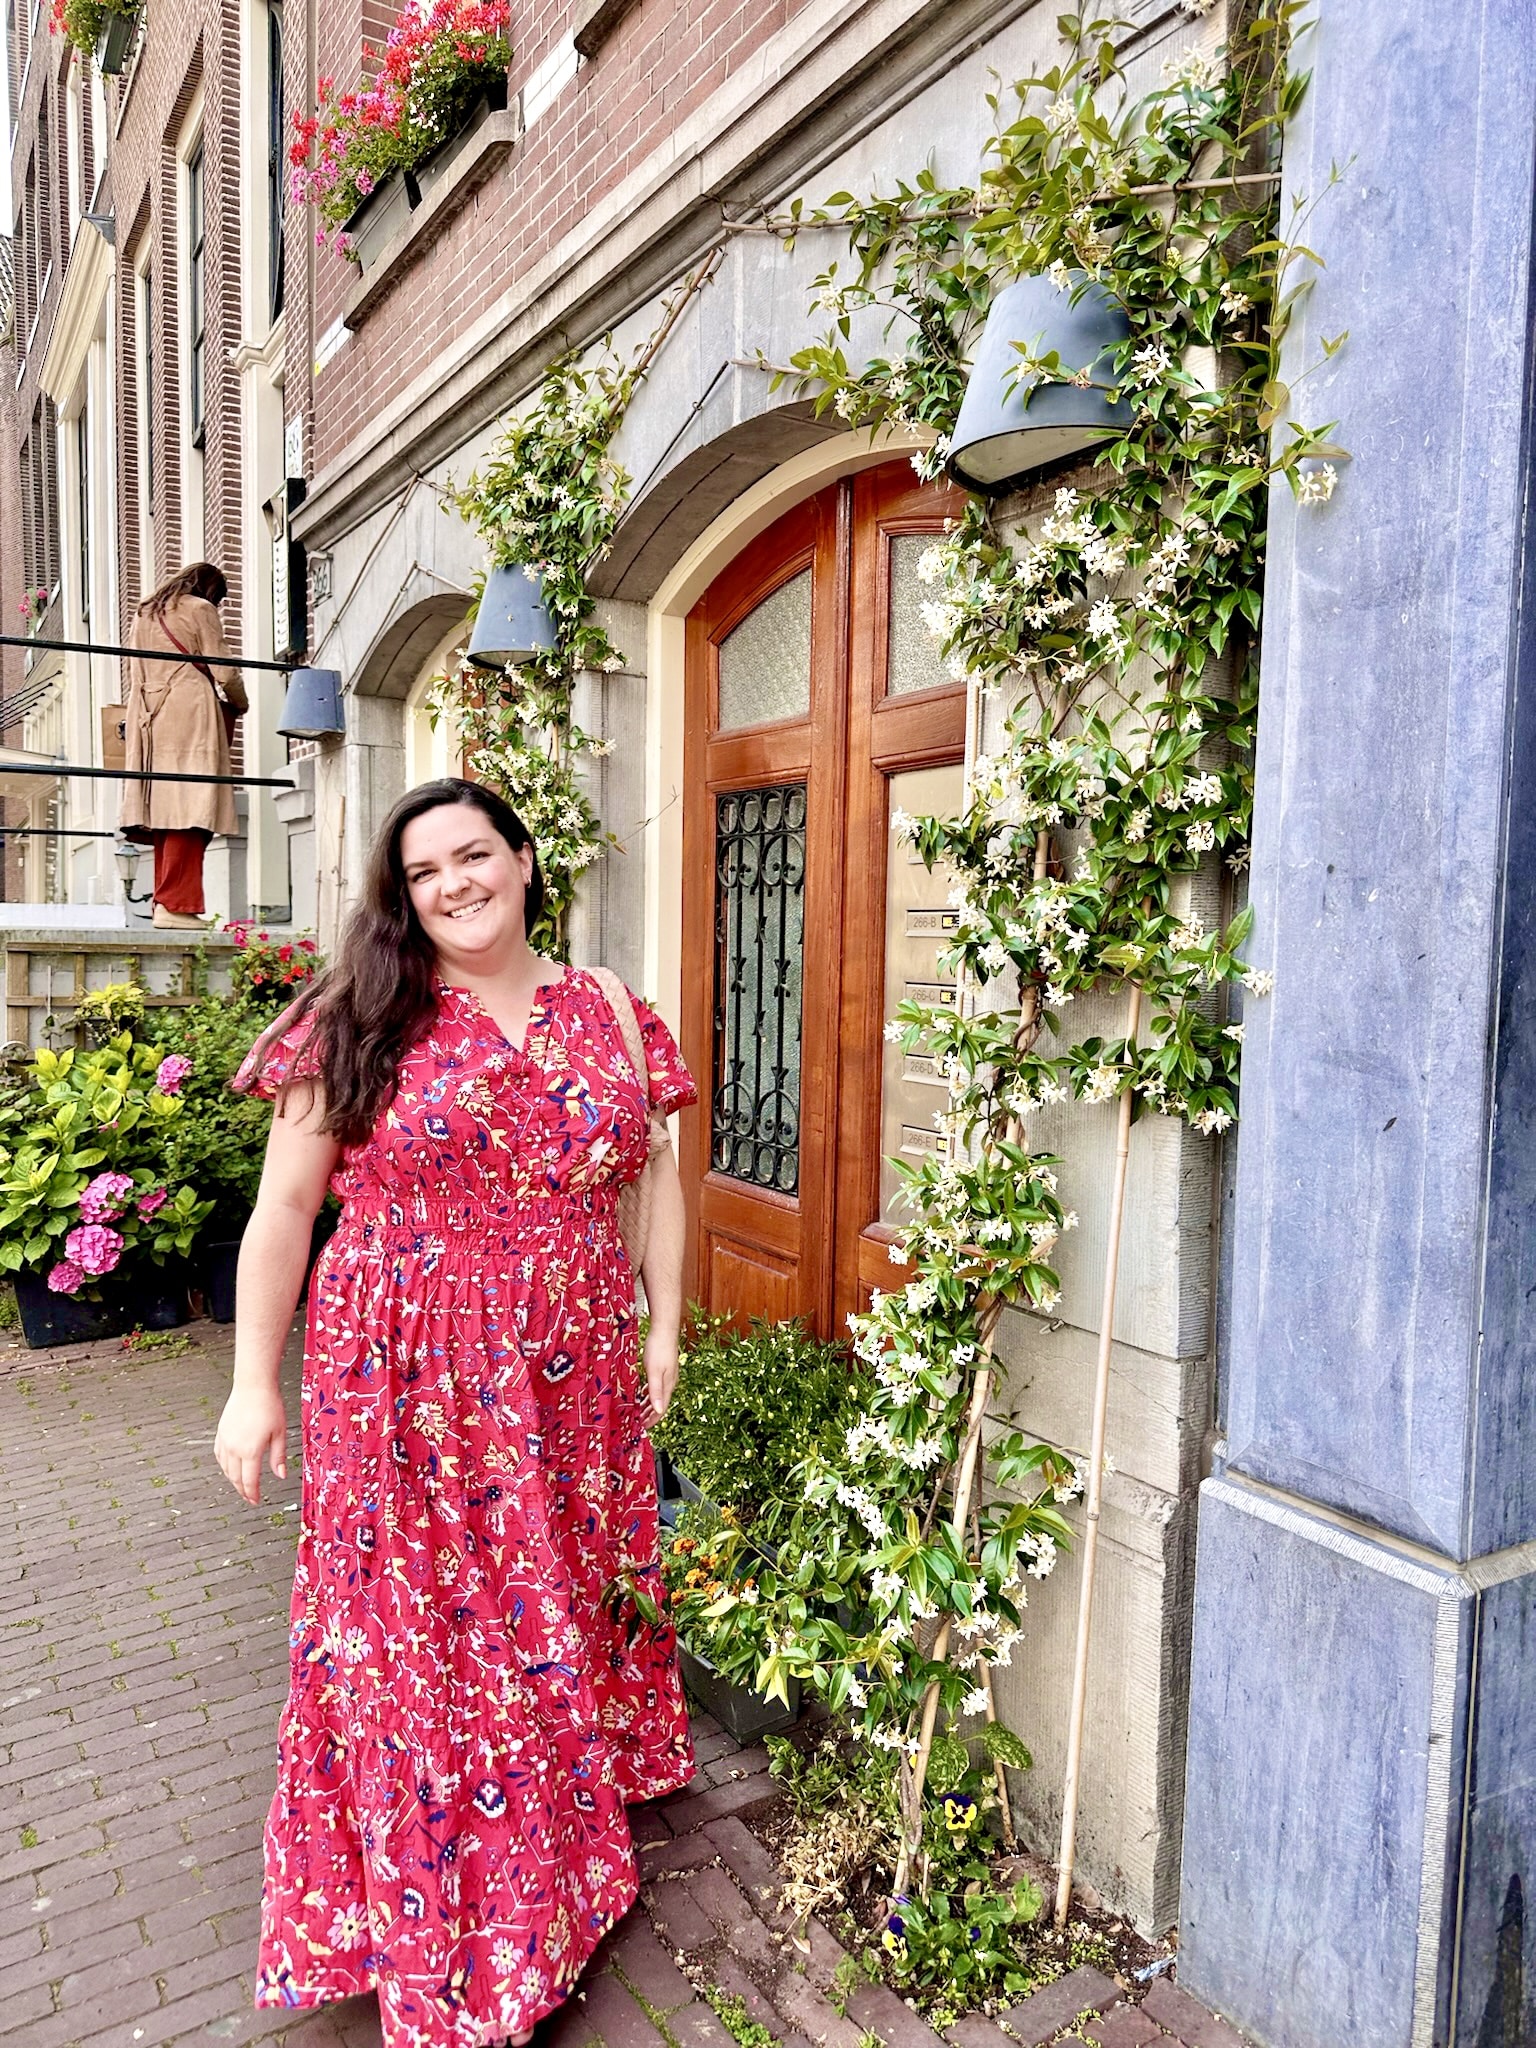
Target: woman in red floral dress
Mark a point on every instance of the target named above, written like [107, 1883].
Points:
[472, 1704]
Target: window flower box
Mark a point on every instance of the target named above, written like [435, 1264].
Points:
[376, 222]
[114, 39]
[435, 170]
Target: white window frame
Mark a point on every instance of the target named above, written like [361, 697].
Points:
[193, 528]
[143, 381]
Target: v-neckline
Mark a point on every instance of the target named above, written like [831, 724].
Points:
[537, 1010]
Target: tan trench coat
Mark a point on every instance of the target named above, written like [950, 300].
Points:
[174, 723]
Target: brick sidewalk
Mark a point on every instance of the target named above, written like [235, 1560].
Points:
[143, 1660]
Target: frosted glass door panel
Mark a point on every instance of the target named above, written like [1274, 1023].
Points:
[912, 652]
[765, 662]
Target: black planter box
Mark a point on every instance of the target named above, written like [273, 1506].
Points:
[220, 1259]
[741, 1712]
[152, 1298]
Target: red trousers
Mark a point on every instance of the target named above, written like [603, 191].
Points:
[179, 870]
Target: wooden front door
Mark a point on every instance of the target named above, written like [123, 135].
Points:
[816, 704]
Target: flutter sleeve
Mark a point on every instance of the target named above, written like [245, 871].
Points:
[671, 1085]
[284, 1052]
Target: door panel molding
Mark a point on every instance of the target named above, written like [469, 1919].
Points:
[810, 1254]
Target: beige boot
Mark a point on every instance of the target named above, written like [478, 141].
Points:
[179, 920]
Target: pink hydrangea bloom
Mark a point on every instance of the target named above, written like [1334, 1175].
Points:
[106, 1198]
[155, 1199]
[66, 1278]
[94, 1248]
[171, 1072]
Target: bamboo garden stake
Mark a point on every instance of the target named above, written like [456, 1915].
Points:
[1095, 1491]
[914, 1774]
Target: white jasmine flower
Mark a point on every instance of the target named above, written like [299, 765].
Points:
[975, 1702]
[1234, 1031]
[1058, 273]
[1103, 620]
[1136, 826]
[1258, 981]
[1209, 1120]
[1316, 485]
[1201, 836]
[1150, 362]
[1191, 69]
[1205, 789]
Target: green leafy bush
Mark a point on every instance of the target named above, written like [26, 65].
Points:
[219, 1141]
[82, 1165]
[751, 1407]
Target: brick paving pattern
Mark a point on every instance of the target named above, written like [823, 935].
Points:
[143, 1659]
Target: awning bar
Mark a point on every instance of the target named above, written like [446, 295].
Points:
[143, 653]
[142, 775]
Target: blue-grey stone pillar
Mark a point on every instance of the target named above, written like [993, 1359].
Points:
[1360, 1851]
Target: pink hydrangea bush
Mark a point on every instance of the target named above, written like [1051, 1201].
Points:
[66, 1278]
[172, 1073]
[94, 1248]
[106, 1198]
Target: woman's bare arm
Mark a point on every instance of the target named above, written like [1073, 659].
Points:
[273, 1254]
[662, 1272]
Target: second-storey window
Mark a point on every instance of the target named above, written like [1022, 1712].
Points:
[276, 158]
[196, 394]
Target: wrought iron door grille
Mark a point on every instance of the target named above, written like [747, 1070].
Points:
[759, 959]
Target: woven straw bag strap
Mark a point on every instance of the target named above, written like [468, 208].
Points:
[629, 1030]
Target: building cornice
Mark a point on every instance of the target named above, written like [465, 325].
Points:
[87, 279]
[833, 73]
[266, 354]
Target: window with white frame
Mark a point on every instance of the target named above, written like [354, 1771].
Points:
[277, 159]
[196, 306]
[144, 414]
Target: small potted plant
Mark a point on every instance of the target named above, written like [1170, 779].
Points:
[91, 1230]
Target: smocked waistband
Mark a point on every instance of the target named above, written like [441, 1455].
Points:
[533, 1212]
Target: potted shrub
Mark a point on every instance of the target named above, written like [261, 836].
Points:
[694, 1575]
[750, 1407]
[91, 1231]
[357, 158]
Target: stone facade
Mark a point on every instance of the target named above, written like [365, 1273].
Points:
[616, 188]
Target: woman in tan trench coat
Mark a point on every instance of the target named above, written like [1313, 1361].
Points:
[180, 718]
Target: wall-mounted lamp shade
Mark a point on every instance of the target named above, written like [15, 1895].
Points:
[1010, 426]
[511, 624]
[312, 709]
[126, 854]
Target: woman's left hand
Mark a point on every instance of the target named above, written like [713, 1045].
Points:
[660, 1371]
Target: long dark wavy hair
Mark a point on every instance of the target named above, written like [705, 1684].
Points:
[373, 1005]
[198, 579]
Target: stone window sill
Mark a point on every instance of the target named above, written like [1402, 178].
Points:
[596, 22]
[492, 141]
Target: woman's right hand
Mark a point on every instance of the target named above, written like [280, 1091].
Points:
[254, 1426]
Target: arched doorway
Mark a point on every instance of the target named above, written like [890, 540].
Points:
[816, 705]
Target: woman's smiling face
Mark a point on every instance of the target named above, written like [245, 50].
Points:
[466, 884]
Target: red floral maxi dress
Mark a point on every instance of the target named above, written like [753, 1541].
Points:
[465, 1720]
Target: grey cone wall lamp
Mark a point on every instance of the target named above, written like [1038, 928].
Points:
[512, 624]
[312, 709]
[1011, 425]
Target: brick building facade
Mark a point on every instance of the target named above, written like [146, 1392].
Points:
[148, 340]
